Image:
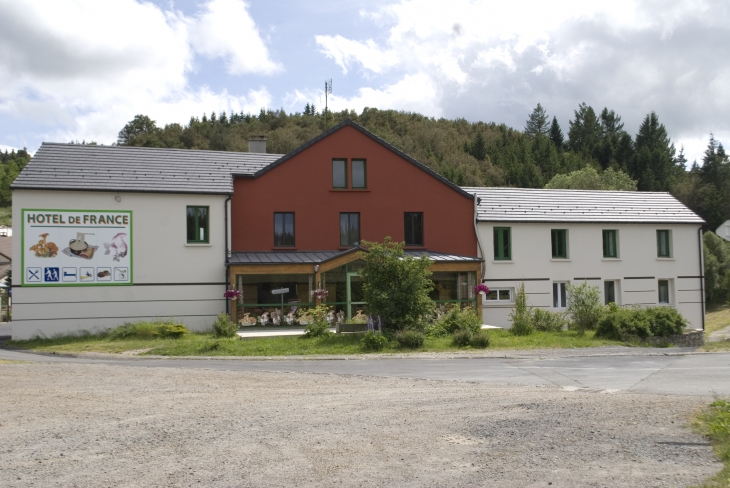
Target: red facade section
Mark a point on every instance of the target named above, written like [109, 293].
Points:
[303, 185]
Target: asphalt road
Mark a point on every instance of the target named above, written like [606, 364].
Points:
[696, 374]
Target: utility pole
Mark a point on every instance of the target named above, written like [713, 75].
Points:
[327, 91]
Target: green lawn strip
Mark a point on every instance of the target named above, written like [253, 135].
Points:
[207, 345]
[717, 317]
[714, 423]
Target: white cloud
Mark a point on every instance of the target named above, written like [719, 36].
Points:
[87, 67]
[493, 60]
[225, 29]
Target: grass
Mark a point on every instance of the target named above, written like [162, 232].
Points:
[6, 216]
[717, 317]
[714, 423]
[196, 344]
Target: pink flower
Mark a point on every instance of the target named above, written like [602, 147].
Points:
[481, 288]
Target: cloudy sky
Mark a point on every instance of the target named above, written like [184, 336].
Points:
[80, 69]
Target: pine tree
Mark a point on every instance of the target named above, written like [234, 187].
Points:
[478, 148]
[537, 123]
[585, 131]
[653, 164]
[556, 134]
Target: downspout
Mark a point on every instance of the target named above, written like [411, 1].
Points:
[483, 266]
[228, 252]
[702, 277]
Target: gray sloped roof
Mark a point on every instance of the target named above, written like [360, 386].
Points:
[535, 205]
[137, 169]
[318, 257]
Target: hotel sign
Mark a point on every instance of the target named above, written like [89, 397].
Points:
[76, 247]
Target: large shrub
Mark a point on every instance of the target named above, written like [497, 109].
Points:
[456, 319]
[224, 327]
[521, 314]
[547, 321]
[462, 338]
[396, 286]
[584, 306]
[623, 324]
[410, 339]
[665, 321]
[479, 340]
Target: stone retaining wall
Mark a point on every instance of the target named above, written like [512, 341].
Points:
[695, 338]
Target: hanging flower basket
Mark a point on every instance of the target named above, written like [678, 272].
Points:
[319, 293]
[481, 288]
[233, 294]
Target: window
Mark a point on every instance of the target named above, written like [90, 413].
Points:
[339, 173]
[359, 173]
[609, 244]
[664, 292]
[560, 296]
[349, 229]
[560, 243]
[663, 244]
[499, 295]
[502, 244]
[609, 291]
[197, 224]
[413, 228]
[283, 229]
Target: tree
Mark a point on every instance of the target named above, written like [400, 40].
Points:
[585, 131]
[556, 135]
[589, 179]
[140, 131]
[654, 160]
[396, 286]
[478, 148]
[537, 123]
[717, 268]
[584, 306]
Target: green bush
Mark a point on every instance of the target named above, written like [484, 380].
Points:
[410, 339]
[479, 340]
[584, 306]
[462, 338]
[172, 331]
[318, 326]
[148, 330]
[521, 314]
[547, 321]
[454, 320]
[223, 327]
[373, 342]
[665, 321]
[624, 324]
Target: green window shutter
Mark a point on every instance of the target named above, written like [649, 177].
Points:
[559, 243]
[609, 244]
[502, 244]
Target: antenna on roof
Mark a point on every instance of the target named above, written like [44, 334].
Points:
[327, 91]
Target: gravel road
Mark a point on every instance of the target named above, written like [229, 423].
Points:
[80, 425]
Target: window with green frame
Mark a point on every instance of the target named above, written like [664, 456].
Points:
[502, 244]
[663, 244]
[609, 244]
[559, 243]
[197, 224]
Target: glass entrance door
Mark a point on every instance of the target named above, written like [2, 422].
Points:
[355, 296]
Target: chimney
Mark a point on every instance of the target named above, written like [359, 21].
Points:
[257, 144]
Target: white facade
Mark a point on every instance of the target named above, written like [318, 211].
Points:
[636, 271]
[171, 279]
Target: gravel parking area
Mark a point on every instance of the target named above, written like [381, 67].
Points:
[97, 425]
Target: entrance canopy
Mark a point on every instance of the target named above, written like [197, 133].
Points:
[258, 274]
